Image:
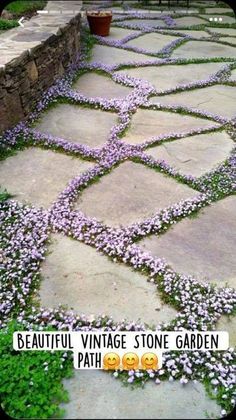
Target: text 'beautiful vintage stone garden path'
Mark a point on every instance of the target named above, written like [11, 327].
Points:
[129, 162]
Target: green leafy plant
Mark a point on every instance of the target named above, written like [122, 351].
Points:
[4, 195]
[31, 381]
[21, 6]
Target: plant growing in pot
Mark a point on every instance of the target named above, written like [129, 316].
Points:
[99, 22]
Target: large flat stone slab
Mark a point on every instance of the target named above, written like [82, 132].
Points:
[195, 155]
[189, 21]
[37, 176]
[119, 33]
[152, 42]
[195, 34]
[233, 75]
[112, 55]
[114, 401]
[202, 49]
[228, 323]
[95, 85]
[78, 124]
[146, 123]
[218, 10]
[149, 23]
[168, 77]
[202, 246]
[225, 19]
[76, 275]
[224, 31]
[131, 193]
[218, 99]
[230, 39]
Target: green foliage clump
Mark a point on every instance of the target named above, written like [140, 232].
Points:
[21, 6]
[8, 24]
[31, 381]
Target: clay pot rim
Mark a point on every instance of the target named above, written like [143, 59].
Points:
[97, 15]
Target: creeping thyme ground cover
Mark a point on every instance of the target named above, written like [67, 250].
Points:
[25, 235]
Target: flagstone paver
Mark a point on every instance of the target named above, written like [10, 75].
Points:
[217, 99]
[147, 123]
[95, 85]
[195, 49]
[202, 246]
[151, 402]
[150, 23]
[230, 39]
[195, 34]
[168, 77]
[130, 193]
[111, 55]
[78, 124]
[78, 276]
[37, 176]
[220, 10]
[152, 42]
[225, 19]
[233, 75]
[195, 155]
[189, 21]
[120, 33]
[225, 31]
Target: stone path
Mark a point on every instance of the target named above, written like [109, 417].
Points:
[157, 158]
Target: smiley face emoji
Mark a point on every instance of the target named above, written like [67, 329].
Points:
[111, 361]
[149, 361]
[130, 361]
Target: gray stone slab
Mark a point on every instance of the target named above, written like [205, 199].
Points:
[78, 124]
[224, 31]
[218, 99]
[120, 33]
[112, 55]
[149, 23]
[168, 77]
[96, 85]
[152, 42]
[114, 401]
[189, 21]
[195, 155]
[228, 323]
[218, 10]
[233, 75]
[130, 193]
[202, 49]
[37, 176]
[195, 34]
[147, 123]
[225, 19]
[230, 39]
[202, 246]
[76, 275]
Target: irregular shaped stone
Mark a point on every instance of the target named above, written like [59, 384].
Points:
[218, 99]
[76, 275]
[149, 23]
[201, 49]
[168, 77]
[189, 21]
[195, 155]
[95, 85]
[228, 323]
[230, 39]
[38, 176]
[120, 33]
[195, 34]
[130, 193]
[218, 10]
[201, 246]
[78, 124]
[225, 31]
[225, 19]
[146, 123]
[114, 401]
[152, 42]
[233, 75]
[112, 55]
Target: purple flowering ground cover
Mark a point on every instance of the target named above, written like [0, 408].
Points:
[25, 230]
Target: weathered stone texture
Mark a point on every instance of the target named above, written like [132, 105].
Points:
[28, 68]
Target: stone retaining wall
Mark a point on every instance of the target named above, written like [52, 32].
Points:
[34, 56]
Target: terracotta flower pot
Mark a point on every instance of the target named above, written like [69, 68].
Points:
[99, 22]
